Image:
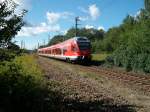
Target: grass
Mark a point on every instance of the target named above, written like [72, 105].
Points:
[29, 66]
[99, 57]
[77, 70]
[24, 89]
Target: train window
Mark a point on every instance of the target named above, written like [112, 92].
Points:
[58, 51]
[84, 45]
[49, 51]
[82, 39]
[64, 50]
[73, 48]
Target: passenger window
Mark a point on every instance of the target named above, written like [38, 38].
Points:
[64, 50]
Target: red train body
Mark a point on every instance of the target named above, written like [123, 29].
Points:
[74, 49]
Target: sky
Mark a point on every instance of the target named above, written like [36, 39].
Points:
[46, 18]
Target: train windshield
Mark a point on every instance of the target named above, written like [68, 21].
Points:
[84, 45]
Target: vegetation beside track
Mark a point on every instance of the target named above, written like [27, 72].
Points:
[99, 56]
[24, 89]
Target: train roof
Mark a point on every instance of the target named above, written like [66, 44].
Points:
[78, 39]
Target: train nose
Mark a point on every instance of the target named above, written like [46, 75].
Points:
[84, 52]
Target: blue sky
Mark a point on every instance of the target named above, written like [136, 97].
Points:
[46, 18]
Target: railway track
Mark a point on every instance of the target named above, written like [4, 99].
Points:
[141, 82]
[137, 81]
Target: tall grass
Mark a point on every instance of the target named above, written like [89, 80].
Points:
[23, 88]
[99, 57]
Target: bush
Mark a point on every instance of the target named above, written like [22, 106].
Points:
[130, 43]
[23, 88]
[133, 53]
[6, 55]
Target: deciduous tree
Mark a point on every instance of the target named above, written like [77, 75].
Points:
[10, 22]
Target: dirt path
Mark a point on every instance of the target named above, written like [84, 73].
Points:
[95, 89]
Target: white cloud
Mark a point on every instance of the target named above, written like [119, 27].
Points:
[89, 27]
[55, 17]
[101, 28]
[35, 30]
[50, 26]
[94, 11]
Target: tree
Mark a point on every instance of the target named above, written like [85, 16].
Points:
[10, 23]
[92, 34]
[147, 5]
[56, 39]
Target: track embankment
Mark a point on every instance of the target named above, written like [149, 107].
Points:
[98, 89]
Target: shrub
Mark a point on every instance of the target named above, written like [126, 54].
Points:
[23, 89]
[6, 55]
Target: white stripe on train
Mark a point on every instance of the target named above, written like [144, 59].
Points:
[72, 58]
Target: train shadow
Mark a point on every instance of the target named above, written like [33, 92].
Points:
[92, 63]
[104, 105]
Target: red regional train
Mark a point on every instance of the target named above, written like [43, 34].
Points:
[76, 49]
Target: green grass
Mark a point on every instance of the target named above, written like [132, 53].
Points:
[29, 66]
[24, 89]
[99, 57]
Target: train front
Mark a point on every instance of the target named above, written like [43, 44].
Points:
[84, 49]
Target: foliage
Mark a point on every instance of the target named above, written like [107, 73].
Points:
[147, 5]
[56, 39]
[111, 41]
[23, 88]
[99, 57]
[134, 50]
[6, 55]
[114, 35]
[11, 52]
[134, 43]
[97, 46]
[92, 34]
[10, 23]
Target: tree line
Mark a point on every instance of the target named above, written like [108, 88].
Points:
[130, 42]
